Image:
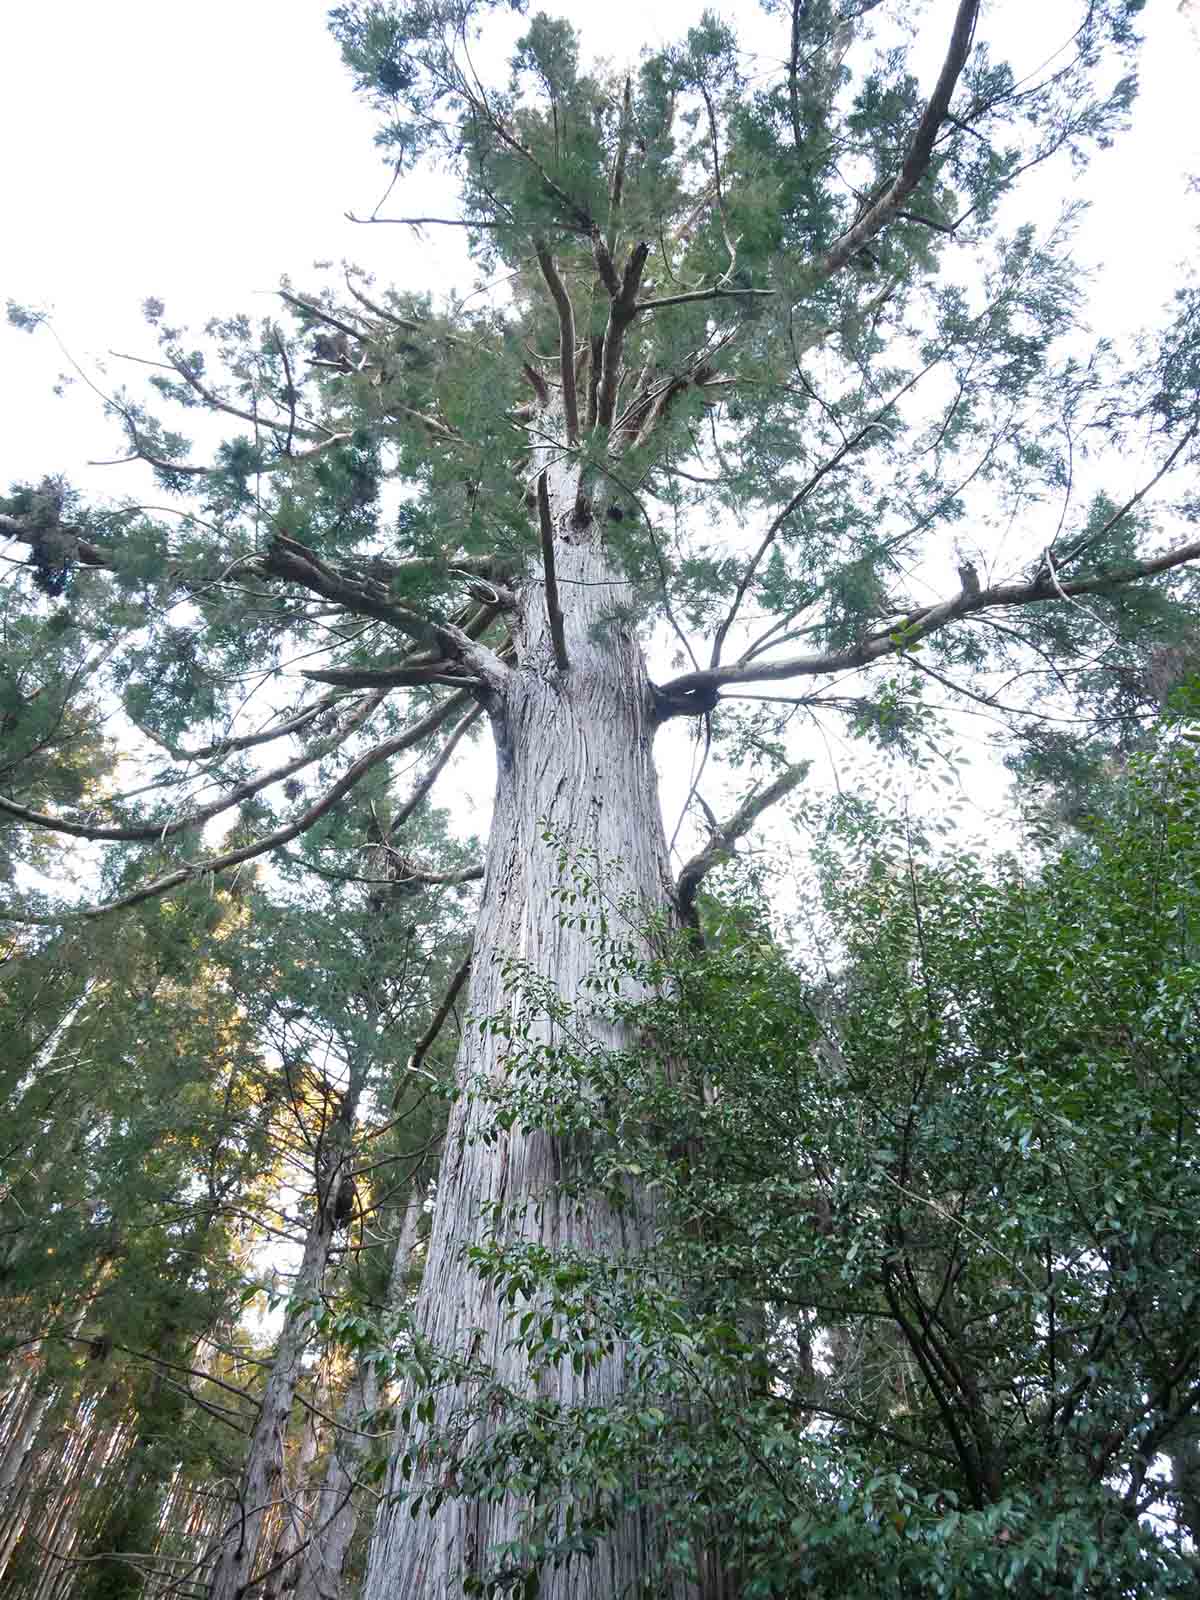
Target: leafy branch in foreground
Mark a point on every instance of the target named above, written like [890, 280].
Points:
[919, 1313]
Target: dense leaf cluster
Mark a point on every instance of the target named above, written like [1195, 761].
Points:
[921, 1318]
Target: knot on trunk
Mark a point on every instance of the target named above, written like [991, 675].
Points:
[694, 702]
[343, 1202]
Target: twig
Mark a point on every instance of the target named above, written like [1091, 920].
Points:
[427, 1040]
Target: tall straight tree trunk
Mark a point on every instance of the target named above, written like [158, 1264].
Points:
[297, 1512]
[262, 1480]
[337, 1509]
[574, 759]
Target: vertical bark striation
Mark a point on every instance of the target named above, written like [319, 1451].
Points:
[574, 757]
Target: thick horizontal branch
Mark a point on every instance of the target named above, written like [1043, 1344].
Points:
[920, 150]
[909, 630]
[295, 563]
[286, 558]
[209, 866]
[423, 667]
[725, 835]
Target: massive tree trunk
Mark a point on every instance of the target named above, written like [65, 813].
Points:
[574, 761]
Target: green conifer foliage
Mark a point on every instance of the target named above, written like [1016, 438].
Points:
[755, 350]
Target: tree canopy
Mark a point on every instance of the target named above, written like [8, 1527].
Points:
[772, 408]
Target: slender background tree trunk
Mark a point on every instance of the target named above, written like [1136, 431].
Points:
[335, 1518]
[262, 1483]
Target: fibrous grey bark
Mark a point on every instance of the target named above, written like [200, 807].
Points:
[574, 762]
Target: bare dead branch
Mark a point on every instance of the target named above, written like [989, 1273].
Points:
[717, 292]
[553, 608]
[428, 222]
[1081, 545]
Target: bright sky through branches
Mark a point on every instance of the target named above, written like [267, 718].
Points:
[196, 153]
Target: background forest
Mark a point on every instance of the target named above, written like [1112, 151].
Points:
[402, 1196]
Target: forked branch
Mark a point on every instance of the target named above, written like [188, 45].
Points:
[907, 631]
[621, 312]
[566, 340]
[232, 797]
[287, 558]
[724, 835]
[209, 866]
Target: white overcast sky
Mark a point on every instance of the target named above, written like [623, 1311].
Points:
[194, 150]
